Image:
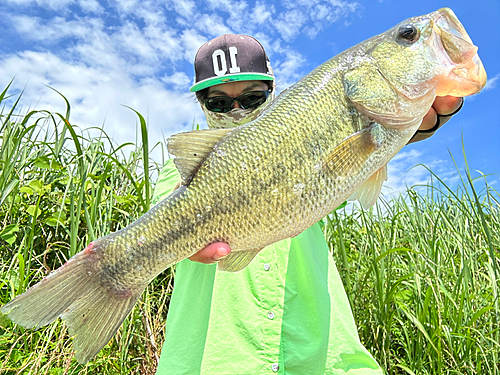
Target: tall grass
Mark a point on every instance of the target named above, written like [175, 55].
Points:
[422, 276]
[421, 270]
[59, 190]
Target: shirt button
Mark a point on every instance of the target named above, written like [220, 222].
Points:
[267, 267]
[270, 315]
[275, 367]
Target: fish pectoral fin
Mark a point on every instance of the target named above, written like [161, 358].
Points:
[237, 260]
[350, 155]
[191, 148]
[369, 191]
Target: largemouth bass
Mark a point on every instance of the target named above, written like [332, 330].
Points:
[326, 138]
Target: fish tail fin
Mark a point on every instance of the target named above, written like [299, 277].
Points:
[75, 292]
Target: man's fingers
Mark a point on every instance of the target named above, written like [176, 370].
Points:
[212, 253]
[429, 120]
[446, 105]
[443, 105]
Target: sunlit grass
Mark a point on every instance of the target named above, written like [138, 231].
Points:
[421, 270]
[422, 275]
[59, 190]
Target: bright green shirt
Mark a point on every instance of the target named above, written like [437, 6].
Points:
[286, 313]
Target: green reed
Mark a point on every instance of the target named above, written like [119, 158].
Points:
[59, 190]
[421, 272]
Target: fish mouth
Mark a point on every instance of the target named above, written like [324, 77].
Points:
[467, 75]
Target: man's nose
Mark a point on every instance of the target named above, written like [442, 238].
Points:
[236, 104]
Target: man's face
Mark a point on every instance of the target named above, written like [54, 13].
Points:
[235, 89]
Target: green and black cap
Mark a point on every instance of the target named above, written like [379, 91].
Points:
[230, 58]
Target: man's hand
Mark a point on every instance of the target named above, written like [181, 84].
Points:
[212, 253]
[443, 105]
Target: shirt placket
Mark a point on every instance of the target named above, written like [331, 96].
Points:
[272, 290]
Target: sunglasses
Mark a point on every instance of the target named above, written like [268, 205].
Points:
[224, 104]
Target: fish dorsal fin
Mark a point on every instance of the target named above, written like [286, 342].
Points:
[237, 260]
[350, 155]
[191, 148]
[369, 191]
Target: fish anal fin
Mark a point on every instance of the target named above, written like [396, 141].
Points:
[191, 148]
[350, 155]
[237, 260]
[369, 191]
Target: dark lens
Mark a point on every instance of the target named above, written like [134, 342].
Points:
[224, 104]
[219, 104]
[252, 99]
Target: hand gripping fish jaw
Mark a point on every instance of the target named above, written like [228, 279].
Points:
[404, 69]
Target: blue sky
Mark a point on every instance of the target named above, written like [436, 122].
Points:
[105, 54]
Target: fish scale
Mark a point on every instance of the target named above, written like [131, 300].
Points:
[325, 139]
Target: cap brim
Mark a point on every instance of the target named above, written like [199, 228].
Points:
[230, 78]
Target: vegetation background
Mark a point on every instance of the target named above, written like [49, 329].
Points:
[421, 270]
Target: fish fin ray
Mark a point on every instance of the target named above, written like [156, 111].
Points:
[237, 260]
[350, 155]
[94, 319]
[367, 194]
[191, 148]
[75, 292]
[353, 196]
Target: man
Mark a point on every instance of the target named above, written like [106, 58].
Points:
[287, 311]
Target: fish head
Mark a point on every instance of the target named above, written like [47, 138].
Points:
[405, 68]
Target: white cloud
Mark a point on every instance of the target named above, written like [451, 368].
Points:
[97, 96]
[232, 14]
[150, 12]
[226, 4]
[321, 12]
[87, 6]
[53, 31]
[288, 71]
[411, 168]
[52, 4]
[290, 23]
[125, 6]
[191, 41]
[315, 15]
[184, 7]
[91, 6]
[133, 41]
[166, 41]
[212, 25]
[262, 13]
[179, 81]
[492, 82]
[141, 50]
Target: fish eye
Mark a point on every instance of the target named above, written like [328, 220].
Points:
[408, 34]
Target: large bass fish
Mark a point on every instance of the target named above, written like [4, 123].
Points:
[326, 138]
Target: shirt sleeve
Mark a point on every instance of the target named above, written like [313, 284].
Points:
[167, 181]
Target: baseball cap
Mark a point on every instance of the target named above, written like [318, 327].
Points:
[230, 58]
